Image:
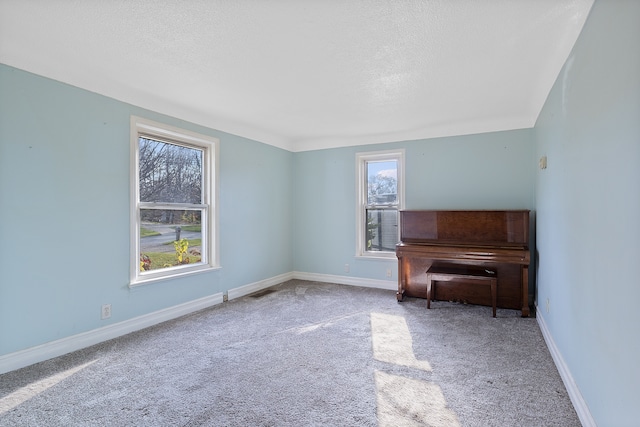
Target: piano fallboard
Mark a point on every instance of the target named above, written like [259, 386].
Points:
[498, 239]
[465, 253]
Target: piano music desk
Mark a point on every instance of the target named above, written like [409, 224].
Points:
[470, 273]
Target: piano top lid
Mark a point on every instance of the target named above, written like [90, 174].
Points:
[509, 228]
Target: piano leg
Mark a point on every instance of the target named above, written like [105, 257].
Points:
[401, 281]
[525, 291]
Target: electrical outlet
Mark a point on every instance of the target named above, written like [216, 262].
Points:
[389, 272]
[547, 307]
[346, 268]
[106, 311]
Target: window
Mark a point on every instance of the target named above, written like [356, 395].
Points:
[380, 191]
[173, 226]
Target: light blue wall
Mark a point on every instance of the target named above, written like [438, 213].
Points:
[588, 208]
[485, 171]
[64, 213]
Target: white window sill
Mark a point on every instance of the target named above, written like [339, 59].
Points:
[379, 256]
[159, 277]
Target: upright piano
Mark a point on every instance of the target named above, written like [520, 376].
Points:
[496, 239]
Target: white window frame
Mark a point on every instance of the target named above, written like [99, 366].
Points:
[209, 205]
[361, 198]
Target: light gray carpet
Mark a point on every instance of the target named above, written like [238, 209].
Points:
[308, 354]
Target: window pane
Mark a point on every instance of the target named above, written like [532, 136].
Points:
[382, 229]
[382, 182]
[169, 173]
[169, 238]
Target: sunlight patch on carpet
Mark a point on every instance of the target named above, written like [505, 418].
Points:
[29, 391]
[406, 401]
[392, 341]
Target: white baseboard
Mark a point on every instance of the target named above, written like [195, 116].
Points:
[258, 286]
[391, 285]
[312, 277]
[578, 401]
[29, 356]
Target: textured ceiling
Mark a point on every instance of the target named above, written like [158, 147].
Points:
[306, 74]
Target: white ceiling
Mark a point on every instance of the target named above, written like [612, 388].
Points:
[306, 74]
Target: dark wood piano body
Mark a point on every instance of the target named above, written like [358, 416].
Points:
[499, 239]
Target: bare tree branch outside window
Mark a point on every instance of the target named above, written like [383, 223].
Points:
[169, 173]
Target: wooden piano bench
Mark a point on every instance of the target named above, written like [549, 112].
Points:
[443, 273]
